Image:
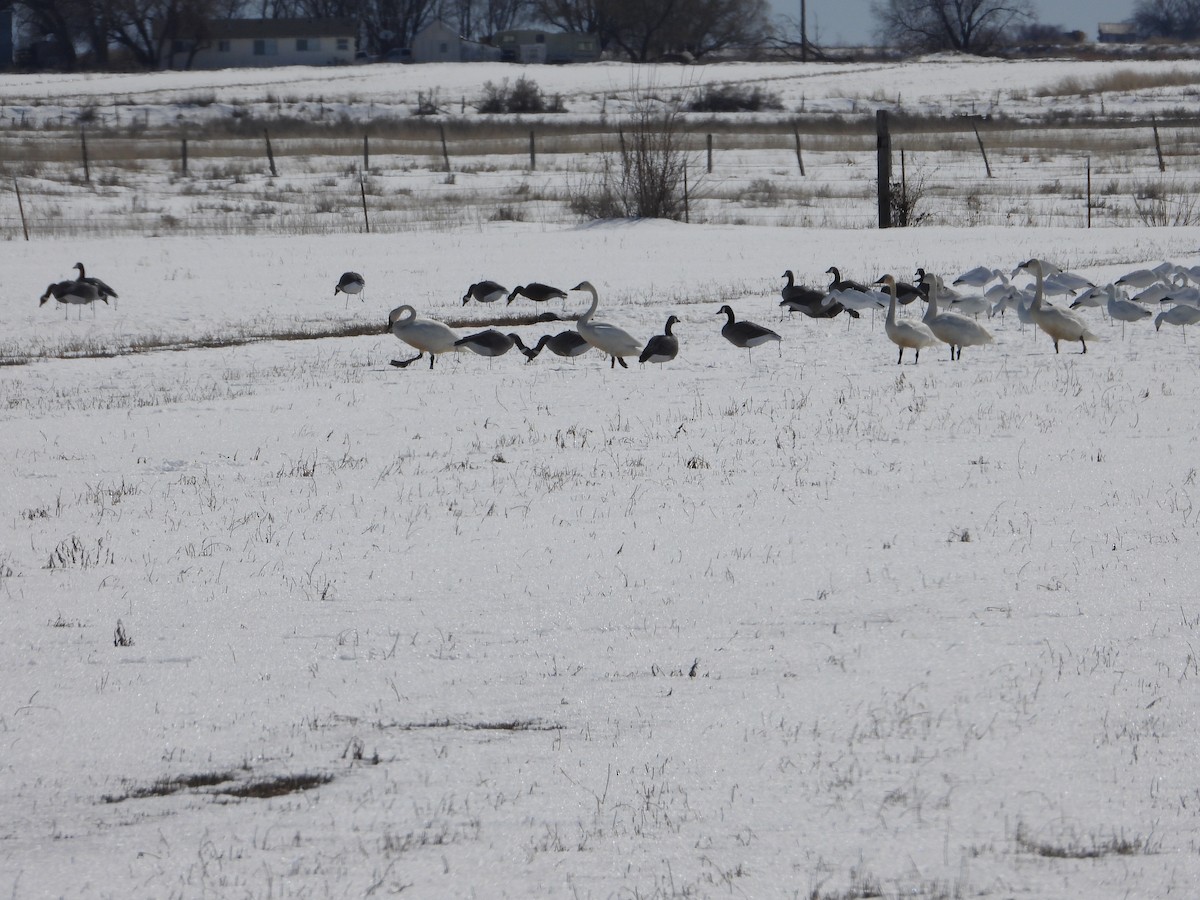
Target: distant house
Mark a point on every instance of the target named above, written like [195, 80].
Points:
[231, 43]
[531, 46]
[438, 42]
[1117, 33]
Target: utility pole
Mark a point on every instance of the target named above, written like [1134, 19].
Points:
[803, 30]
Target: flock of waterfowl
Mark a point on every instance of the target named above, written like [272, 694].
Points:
[950, 317]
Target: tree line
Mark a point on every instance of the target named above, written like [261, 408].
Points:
[103, 34]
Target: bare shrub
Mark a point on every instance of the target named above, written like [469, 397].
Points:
[734, 98]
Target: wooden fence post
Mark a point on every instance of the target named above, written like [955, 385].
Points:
[708, 140]
[883, 164]
[21, 209]
[532, 152]
[445, 149]
[799, 157]
[366, 153]
[1089, 192]
[362, 189]
[270, 155]
[979, 140]
[1162, 166]
[183, 155]
[87, 175]
[687, 213]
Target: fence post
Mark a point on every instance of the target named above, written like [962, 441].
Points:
[799, 157]
[87, 175]
[270, 155]
[1089, 192]
[21, 209]
[445, 149]
[532, 152]
[1162, 166]
[883, 163]
[366, 153]
[983, 152]
[687, 213]
[362, 189]
[183, 154]
[708, 140]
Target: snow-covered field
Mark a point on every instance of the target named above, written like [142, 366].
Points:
[281, 620]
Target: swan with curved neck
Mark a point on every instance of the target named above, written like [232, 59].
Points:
[914, 335]
[951, 328]
[425, 335]
[1060, 324]
[606, 338]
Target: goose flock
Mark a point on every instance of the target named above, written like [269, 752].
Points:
[950, 317]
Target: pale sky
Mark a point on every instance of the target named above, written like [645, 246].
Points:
[850, 21]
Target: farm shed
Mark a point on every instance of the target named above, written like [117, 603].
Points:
[234, 43]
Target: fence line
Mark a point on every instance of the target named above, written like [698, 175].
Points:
[1145, 174]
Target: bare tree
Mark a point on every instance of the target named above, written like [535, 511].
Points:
[1177, 19]
[969, 26]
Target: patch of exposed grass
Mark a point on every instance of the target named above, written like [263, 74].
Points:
[1073, 846]
[1118, 81]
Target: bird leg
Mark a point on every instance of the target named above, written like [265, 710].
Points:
[624, 365]
[404, 363]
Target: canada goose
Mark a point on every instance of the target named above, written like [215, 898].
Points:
[951, 328]
[103, 289]
[842, 284]
[606, 338]
[569, 343]
[350, 283]
[537, 292]
[1060, 324]
[426, 335]
[810, 301]
[78, 293]
[488, 343]
[905, 334]
[485, 292]
[745, 334]
[662, 347]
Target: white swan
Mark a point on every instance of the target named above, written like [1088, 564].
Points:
[745, 334]
[426, 335]
[905, 334]
[662, 347]
[951, 328]
[605, 337]
[1060, 324]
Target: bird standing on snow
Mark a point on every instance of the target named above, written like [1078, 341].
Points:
[485, 292]
[72, 293]
[426, 335]
[488, 343]
[537, 292]
[350, 283]
[568, 343]
[662, 347]
[1060, 324]
[102, 289]
[605, 337]
[905, 334]
[745, 334]
[951, 328]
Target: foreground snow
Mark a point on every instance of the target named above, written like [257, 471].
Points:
[802, 624]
